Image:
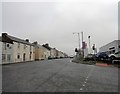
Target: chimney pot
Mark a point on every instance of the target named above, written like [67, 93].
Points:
[27, 40]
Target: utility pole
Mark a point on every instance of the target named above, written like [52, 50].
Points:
[82, 44]
[89, 44]
[79, 40]
[82, 37]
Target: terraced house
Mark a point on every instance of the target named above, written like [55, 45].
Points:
[16, 49]
[41, 52]
[53, 53]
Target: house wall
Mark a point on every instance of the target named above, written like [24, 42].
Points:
[41, 51]
[33, 53]
[53, 53]
[46, 53]
[7, 53]
[36, 53]
[22, 53]
[63, 55]
[59, 54]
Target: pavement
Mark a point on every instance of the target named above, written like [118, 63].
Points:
[59, 75]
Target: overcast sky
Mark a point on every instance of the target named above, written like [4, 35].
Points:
[54, 22]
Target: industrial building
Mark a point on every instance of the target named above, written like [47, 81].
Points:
[111, 47]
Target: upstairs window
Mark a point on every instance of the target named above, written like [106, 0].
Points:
[3, 57]
[18, 45]
[25, 46]
[111, 48]
[30, 48]
[4, 46]
[8, 57]
[8, 45]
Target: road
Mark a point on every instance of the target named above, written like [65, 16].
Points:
[60, 75]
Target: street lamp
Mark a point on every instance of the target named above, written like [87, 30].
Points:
[82, 37]
[78, 38]
[89, 44]
[82, 44]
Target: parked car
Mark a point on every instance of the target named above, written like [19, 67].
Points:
[50, 57]
[71, 56]
[90, 57]
[115, 56]
[101, 56]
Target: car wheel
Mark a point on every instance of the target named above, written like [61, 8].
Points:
[112, 57]
[102, 59]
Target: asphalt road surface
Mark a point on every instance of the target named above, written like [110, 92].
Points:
[60, 75]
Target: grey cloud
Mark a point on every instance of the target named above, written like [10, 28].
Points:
[54, 22]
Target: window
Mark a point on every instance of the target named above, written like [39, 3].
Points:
[119, 46]
[4, 46]
[18, 45]
[3, 57]
[113, 51]
[30, 55]
[8, 45]
[111, 48]
[110, 52]
[30, 48]
[18, 56]
[25, 46]
[8, 57]
[42, 55]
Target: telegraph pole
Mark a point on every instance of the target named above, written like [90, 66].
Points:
[79, 40]
[89, 44]
[82, 44]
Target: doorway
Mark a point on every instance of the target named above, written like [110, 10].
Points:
[24, 57]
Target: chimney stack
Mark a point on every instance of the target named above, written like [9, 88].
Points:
[35, 42]
[47, 44]
[27, 40]
[4, 34]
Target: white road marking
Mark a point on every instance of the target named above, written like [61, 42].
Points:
[83, 84]
[81, 89]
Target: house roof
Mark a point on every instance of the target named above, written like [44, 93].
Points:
[17, 39]
[46, 46]
[39, 46]
[110, 43]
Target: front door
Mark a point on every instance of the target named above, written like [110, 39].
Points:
[24, 57]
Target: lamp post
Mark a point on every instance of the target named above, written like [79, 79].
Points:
[78, 39]
[89, 44]
[82, 37]
[82, 44]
